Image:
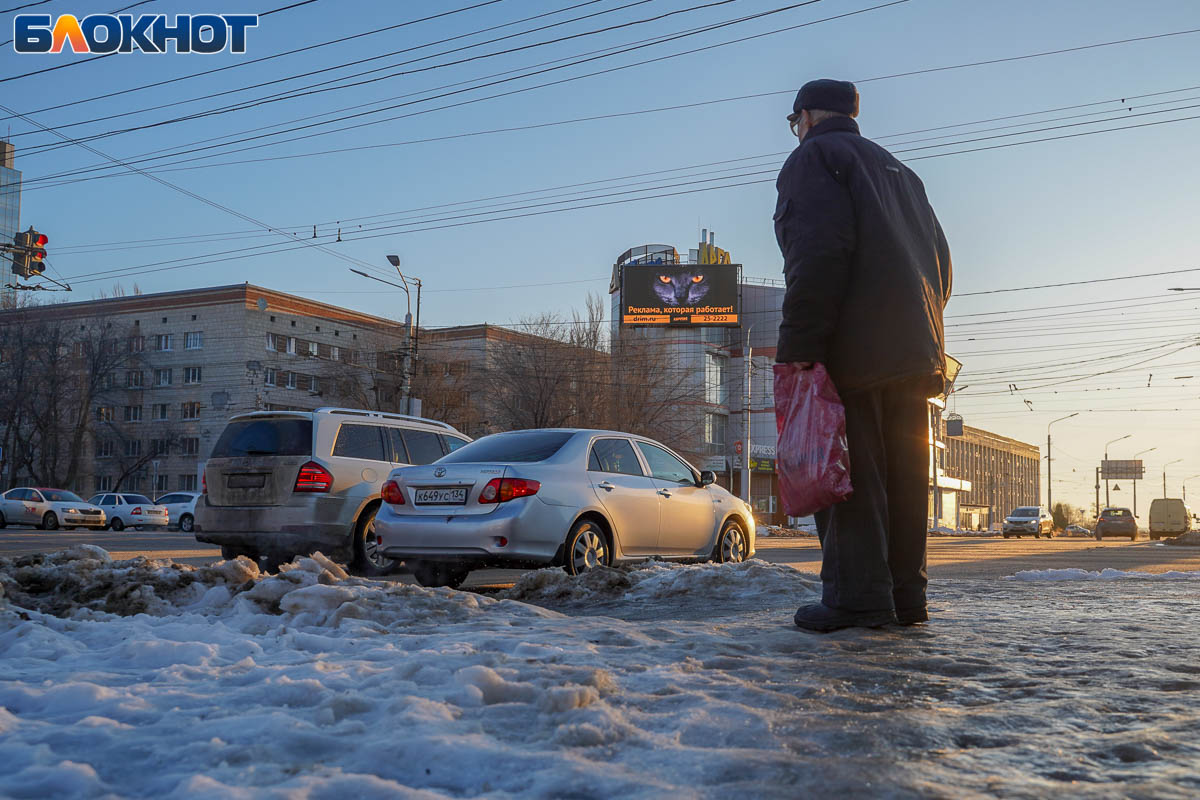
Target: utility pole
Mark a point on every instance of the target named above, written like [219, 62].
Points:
[1049, 461]
[1135, 455]
[1097, 492]
[1184, 485]
[410, 335]
[1106, 444]
[748, 357]
[1169, 463]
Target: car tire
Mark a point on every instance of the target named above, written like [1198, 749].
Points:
[1005, 535]
[586, 547]
[731, 544]
[187, 523]
[49, 521]
[3, 521]
[366, 561]
[1099, 536]
[432, 574]
[116, 524]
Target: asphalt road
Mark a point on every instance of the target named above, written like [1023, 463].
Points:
[949, 556]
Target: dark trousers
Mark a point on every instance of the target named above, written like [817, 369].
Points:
[873, 545]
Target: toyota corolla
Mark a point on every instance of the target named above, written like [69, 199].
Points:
[574, 498]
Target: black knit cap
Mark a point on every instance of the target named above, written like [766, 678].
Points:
[827, 95]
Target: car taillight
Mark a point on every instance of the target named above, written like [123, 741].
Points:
[501, 490]
[391, 494]
[204, 482]
[313, 478]
[137, 510]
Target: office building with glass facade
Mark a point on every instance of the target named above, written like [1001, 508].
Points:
[10, 216]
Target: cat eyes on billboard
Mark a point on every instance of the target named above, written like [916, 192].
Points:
[680, 294]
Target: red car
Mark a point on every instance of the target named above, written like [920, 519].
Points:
[1116, 522]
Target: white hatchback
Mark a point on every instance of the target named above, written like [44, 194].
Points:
[181, 509]
[131, 510]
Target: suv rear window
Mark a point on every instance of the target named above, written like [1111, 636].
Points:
[1026, 511]
[1116, 512]
[265, 437]
[519, 447]
[359, 441]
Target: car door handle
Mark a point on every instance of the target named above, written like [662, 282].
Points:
[606, 486]
[664, 492]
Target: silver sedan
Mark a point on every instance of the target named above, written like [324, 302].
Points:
[571, 497]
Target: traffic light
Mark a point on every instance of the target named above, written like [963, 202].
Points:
[29, 253]
[37, 253]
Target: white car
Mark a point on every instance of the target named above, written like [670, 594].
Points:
[574, 498]
[131, 510]
[181, 508]
[48, 509]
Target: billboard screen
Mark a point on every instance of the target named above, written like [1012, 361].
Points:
[1128, 470]
[680, 294]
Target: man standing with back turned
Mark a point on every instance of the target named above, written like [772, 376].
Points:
[868, 274]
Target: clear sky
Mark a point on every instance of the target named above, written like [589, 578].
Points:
[1075, 209]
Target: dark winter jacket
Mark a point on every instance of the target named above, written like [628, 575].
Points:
[867, 264]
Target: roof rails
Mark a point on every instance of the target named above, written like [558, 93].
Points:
[357, 412]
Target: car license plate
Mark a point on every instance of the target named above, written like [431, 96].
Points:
[440, 497]
[246, 481]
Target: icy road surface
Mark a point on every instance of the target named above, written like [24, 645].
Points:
[145, 679]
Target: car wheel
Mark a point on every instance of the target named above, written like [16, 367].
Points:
[3, 521]
[368, 560]
[436, 573]
[186, 523]
[1037, 536]
[50, 522]
[1005, 535]
[586, 548]
[1099, 536]
[117, 524]
[731, 544]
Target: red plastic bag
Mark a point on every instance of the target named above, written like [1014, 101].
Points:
[812, 458]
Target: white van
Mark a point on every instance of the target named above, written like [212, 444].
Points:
[1169, 516]
[284, 483]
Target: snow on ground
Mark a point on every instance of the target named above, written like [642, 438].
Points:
[1103, 575]
[150, 679]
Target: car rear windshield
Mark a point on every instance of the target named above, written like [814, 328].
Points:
[1117, 512]
[265, 437]
[1025, 512]
[61, 496]
[137, 499]
[510, 448]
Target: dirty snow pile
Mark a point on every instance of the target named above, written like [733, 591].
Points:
[146, 678]
[1076, 574]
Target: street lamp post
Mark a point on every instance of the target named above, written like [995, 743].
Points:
[1049, 461]
[1169, 463]
[411, 334]
[747, 355]
[1106, 444]
[1135, 455]
[1184, 485]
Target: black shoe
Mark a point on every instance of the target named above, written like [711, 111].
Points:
[912, 616]
[820, 618]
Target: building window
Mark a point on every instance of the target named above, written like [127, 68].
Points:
[312, 349]
[160, 447]
[191, 375]
[104, 483]
[137, 344]
[104, 448]
[335, 353]
[162, 377]
[162, 342]
[134, 379]
[313, 384]
[291, 345]
[716, 390]
[714, 433]
[191, 445]
[189, 410]
[133, 448]
[272, 343]
[193, 340]
[133, 483]
[159, 412]
[187, 483]
[160, 483]
[271, 374]
[133, 413]
[104, 414]
[291, 380]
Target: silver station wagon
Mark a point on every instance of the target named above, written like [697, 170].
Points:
[576, 498]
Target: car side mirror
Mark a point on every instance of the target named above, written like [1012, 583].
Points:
[707, 478]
